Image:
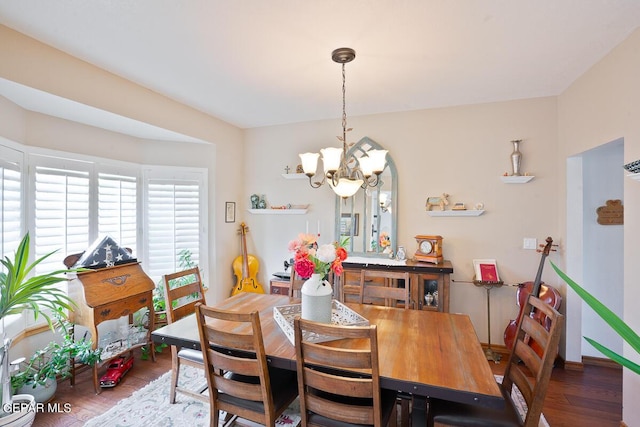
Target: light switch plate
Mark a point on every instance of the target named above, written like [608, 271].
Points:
[530, 243]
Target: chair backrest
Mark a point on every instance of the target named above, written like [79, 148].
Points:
[390, 291]
[324, 372]
[233, 350]
[540, 366]
[182, 291]
[295, 285]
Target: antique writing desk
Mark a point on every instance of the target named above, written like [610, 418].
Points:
[425, 353]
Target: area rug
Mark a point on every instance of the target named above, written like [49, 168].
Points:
[521, 404]
[150, 406]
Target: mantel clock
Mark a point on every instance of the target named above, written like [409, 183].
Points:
[429, 249]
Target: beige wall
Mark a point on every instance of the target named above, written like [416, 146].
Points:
[462, 151]
[24, 61]
[600, 107]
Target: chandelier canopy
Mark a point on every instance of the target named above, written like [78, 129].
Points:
[345, 176]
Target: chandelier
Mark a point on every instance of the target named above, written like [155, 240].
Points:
[345, 176]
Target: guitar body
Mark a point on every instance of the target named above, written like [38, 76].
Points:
[245, 267]
[250, 282]
[537, 288]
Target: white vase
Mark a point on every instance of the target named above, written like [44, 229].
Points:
[316, 299]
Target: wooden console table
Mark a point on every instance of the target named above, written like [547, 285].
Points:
[107, 294]
[423, 278]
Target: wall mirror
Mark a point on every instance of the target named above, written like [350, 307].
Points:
[369, 218]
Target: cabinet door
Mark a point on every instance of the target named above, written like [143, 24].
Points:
[432, 292]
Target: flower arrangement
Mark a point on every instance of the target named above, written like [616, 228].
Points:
[385, 240]
[312, 258]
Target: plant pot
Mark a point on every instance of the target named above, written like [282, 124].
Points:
[25, 412]
[41, 393]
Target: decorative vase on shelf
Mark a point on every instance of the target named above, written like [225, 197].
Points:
[516, 157]
[316, 299]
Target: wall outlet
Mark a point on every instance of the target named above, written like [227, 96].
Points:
[530, 243]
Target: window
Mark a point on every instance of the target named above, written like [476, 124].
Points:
[61, 209]
[11, 191]
[174, 219]
[68, 203]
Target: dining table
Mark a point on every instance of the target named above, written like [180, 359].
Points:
[423, 353]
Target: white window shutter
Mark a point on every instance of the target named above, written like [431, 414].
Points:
[117, 209]
[11, 196]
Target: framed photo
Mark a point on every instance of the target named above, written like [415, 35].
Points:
[230, 212]
[349, 223]
[486, 270]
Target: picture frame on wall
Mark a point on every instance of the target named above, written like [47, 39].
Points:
[230, 212]
[486, 270]
[349, 222]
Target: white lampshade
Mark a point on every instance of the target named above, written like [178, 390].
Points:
[309, 163]
[366, 166]
[331, 158]
[378, 159]
[346, 187]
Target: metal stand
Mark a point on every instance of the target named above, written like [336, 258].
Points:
[489, 353]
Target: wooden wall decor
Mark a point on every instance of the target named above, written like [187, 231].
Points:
[611, 214]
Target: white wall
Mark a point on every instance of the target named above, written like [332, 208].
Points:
[603, 266]
[599, 107]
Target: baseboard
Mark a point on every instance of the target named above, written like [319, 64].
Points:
[600, 361]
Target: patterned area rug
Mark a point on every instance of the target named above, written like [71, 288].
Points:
[521, 404]
[150, 406]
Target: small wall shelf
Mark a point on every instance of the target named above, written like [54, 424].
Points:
[635, 176]
[294, 176]
[517, 179]
[468, 212]
[278, 211]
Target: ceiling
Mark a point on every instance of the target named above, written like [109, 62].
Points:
[257, 63]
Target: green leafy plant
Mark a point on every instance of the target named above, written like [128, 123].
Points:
[20, 292]
[617, 324]
[53, 361]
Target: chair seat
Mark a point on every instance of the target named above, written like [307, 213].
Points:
[190, 354]
[459, 414]
[388, 398]
[284, 388]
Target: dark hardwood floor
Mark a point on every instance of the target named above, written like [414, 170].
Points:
[591, 398]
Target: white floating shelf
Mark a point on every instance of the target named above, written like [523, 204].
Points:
[516, 179]
[468, 212]
[294, 176]
[635, 176]
[278, 211]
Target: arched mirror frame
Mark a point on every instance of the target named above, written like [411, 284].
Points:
[368, 212]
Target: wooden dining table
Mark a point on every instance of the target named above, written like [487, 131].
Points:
[425, 353]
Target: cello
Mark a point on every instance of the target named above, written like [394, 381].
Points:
[245, 267]
[537, 288]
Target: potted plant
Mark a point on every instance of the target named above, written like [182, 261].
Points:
[39, 375]
[20, 292]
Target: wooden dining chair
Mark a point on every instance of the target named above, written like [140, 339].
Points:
[526, 370]
[182, 291]
[295, 285]
[390, 290]
[240, 381]
[340, 386]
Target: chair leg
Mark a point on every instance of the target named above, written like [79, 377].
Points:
[175, 372]
[404, 411]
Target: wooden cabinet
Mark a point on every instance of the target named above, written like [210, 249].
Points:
[424, 278]
[108, 294]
